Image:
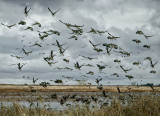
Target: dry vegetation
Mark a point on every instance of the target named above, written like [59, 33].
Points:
[143, 105]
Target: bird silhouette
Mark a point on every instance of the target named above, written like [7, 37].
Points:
[53, 13]
[125, 70]
[98, 80]
[92, 31]
[37, 44]
[61, 51]
[54, 32]
[26, 11]
[9, 26]
[100, 67]
[26, 53]
[77, 31]
[34, 80]
[89, 57]
[22, 23]
[94, 45]
[20, 65]
[150, 59]
[43, 36]
[97, 50]
[49, 63]
[137, 41]
[141, 33]
[60, 46]
[118, 90]
[153, 71]
[136, 63]
[73, 37]
[66, 60]
[90, 65]
[152, 65]
[36, 23]
[29, 28]
[18, 57]
[118, 61]
[146, 46]
[77, 66]
[112, 37]
[90, 72]
[115, 74]
[70, 25]
[129, 76]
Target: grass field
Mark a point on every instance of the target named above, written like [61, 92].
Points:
[79, 100]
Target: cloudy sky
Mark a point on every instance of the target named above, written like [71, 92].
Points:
[122, 18]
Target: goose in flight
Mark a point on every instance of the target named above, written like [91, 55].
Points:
[29, 28]
[141, 33]
[146, 46]
[26, 53]
[26, 11]
[43, 36]
[125, 53]
[129, 76]
[108, 48]
[100, 67]
[34, 80]
[77, 31]
[36, 23]
[153, 71]
[20, 65]
[88, 57]
[54, 32]
[118, 61]
[59, 81]
[90, 72]
[37, 44]
[92, 31]
[90, 65]
[94, 45]
[66, 60]
[44, 84]
[125, 70]
[73, 37]
[98, 50]
[18, 57]
[150, 59]
[52, 55]
[49, 63]
[98, 80]
[137, 41]
[100, 32]
[9, 26]
[115, 74]
[77, 66]
[70, 25]
[22, 23]
[112, 37]
[136, 63]
[61, 51]
[60, 45]
[53, 13]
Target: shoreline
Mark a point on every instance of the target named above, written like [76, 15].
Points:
[77, 88]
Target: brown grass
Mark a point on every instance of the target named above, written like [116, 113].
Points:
[75, 88]
[143, 105]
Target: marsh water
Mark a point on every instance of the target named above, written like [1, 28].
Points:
[63, 100]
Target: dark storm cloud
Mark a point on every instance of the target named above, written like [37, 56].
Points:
[122, 18]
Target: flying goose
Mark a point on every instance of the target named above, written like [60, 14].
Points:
[26, 11]
[53, 13]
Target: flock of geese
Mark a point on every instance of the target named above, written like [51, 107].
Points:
[76, 31]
